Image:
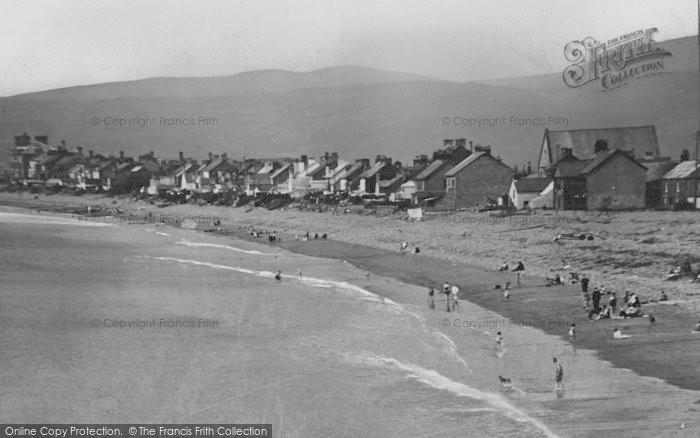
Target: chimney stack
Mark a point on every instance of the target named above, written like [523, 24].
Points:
[600, 146]
[461, 142]
[182, 157]
[210, 156]
[224, 156]
[121, 155]
[80, 150]
[92, 153]
[471, 146]
[447, 142]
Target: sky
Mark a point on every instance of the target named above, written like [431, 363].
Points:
[49, 44]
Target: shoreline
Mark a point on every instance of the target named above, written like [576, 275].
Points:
[665, 350]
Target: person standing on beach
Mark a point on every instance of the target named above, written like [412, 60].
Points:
[299, 276]
[499, 340]
[596, 300]
[518, 271]
[584, 291]
[431, 298]
[455, 298]
[572, 333]
[558, 375]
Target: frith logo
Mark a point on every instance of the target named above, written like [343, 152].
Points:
[614, 63]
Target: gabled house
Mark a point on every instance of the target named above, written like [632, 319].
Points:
[432, 178]
[26, 156]
[477, 180]
[611, 180]
[186, 176]
[523, 190]
[680, 185]
[349, 179]
[637, 141]
[383, 169]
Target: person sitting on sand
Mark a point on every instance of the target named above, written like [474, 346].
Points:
[278, 276]
[663, 296]
[416, 251]
[565, 265]
[617, 334]
[606, 313]
[631, 312]
[634, 301]
[504, 267]
[520, 267]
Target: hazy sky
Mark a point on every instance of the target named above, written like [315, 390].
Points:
[53, 44]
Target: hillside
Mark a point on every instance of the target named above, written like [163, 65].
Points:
[356, 111]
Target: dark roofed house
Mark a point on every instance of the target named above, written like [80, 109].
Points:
[680, 185]
[383, 169]
[432, 178]
[639, 141]
[476, 180]
[610, 180]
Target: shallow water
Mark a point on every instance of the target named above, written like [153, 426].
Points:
[335, 353]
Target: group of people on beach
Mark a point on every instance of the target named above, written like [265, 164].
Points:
[519, 270]
[449, 290]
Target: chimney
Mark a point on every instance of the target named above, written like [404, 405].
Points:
[63, 145]
[471, 146]
[224, 156]
[566, 153]
[182, 157]
[80, 150]
[447, 142]
[152, 154]
[485, 149]
[461, 142]
[600, 146]
[121, 155]
[305, 160]
[648, 155]
[210, 156]
[685, 155]
[364, 161]
[92, 153]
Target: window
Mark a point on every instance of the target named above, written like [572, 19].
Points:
[450, 183]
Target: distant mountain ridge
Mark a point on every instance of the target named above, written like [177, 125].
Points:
[356, 111]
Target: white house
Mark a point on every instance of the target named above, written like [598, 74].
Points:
[523, 190]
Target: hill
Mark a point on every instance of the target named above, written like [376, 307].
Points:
[355, 111]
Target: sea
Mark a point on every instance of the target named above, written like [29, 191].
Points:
[141, 323]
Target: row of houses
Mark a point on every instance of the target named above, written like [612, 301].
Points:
[612, 168]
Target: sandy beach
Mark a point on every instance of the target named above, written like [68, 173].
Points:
[387, 338]
[468, 253]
